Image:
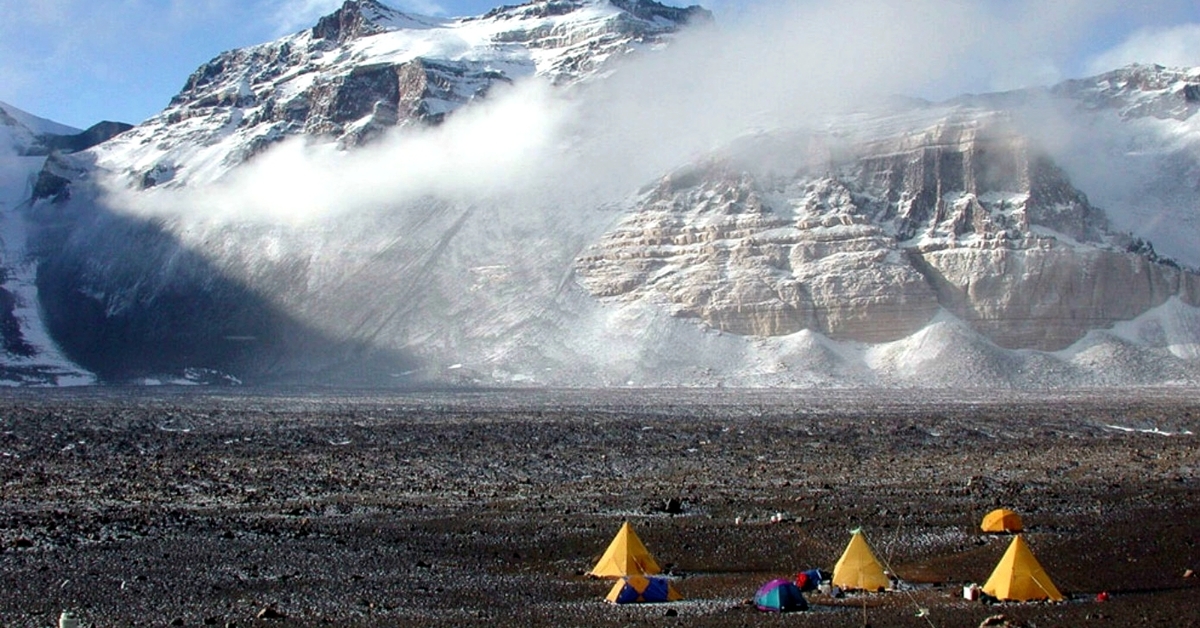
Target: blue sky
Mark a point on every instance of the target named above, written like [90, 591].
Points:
[81, 61]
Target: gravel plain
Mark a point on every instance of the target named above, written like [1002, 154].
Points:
[228, 507]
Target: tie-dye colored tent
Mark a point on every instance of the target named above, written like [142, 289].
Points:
[780, 596]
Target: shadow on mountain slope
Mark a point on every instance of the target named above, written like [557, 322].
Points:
[126, 299]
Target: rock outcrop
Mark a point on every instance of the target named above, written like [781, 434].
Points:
[360, 18]
[868, 241]
[93, 135]
[1138, 91]
[708, 243]
[367, 68]
[28, 356]
[1049, 296]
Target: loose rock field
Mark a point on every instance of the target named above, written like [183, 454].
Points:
[178, 507]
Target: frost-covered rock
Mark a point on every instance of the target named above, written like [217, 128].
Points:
[709, 243]
[870, 238]
[367, 67]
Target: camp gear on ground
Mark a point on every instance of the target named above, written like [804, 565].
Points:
[858, 568]
[625, 556]
[638, 589]
[1020, 577]
[1002, 520]
[809, 580]
[780, 596]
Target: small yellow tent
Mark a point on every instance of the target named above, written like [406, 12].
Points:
[625, 556]
[858, 568]
[1020, 577]
[639, 589]
[1002, 520]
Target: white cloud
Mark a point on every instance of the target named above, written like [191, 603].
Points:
[503, 148]
[293, 15]
[421, 7]
[1170, 46]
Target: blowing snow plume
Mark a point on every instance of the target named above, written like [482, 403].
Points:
[783, 65]
[498, 149]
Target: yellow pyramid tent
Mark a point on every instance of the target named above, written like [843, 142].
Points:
[625, 556]
[1020, 577]
[858, 568]
[1002, 520]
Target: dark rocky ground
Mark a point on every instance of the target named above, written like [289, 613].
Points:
[157, 508]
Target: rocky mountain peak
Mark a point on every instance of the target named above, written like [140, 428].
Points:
[6, 119]
[648, 10]
[1139, 90]
[366, 68]
[362, 18]
[30, 136]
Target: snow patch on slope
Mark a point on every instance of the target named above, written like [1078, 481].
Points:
[36, 124]
[38, 360]
[1173, 327]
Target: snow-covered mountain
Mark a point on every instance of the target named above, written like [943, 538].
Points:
[367, 68]
[29, 355]
[1031, 238]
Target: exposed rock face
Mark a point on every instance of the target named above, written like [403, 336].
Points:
[369, 99]
[12, 340]
[55, 179]
[963, 215]
[366, 68]
[648, 10]
[969, 175]
[1138, 91]
[356, 18]
[241, 87]
[584, 48]
[708, 243]
[1047, 297]
[95, 134]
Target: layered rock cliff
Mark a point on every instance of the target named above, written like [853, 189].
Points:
[866, 240]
